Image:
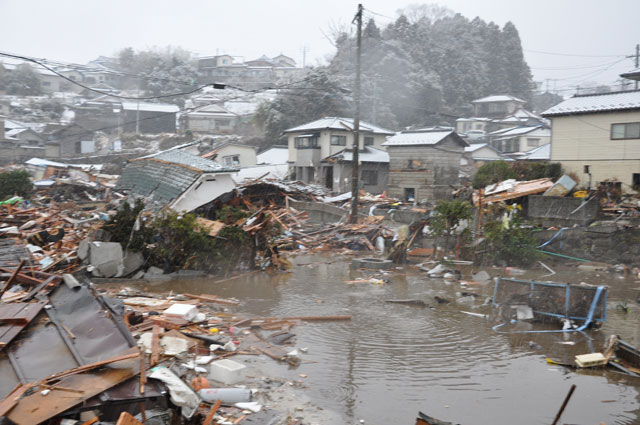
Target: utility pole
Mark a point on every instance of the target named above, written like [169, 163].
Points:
[637, 61]
[637, 58]
[356, 123]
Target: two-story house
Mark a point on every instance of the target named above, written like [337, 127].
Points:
[597, 137]
[496, 106]
[424, 164]
[313, 148]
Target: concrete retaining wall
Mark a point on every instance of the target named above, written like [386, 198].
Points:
[608, 243]
[319, 212]
[557, 210]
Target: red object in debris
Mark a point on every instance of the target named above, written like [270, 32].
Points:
[199, 382]
[236, 342]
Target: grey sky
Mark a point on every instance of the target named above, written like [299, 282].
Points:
[80, 30]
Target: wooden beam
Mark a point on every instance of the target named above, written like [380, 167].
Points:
[214, 409]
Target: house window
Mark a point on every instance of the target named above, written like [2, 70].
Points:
[369, 177]
[368, 140]
[532, 143]
[305, 142]
[223, 123]
[232, 160]
[409, 194]
[635, 179]
[478, 126]
[46, 83]
[630, 130]
[338, 140]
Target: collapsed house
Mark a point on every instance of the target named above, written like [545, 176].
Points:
[177, 179]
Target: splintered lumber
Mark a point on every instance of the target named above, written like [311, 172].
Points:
[155, 346]
[35, 409]
[12, 277]
[212, 299]
[12, 399]
[90, 366]
[91, 421]
[214, 409]
[126, 419]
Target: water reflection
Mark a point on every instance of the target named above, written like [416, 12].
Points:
[392, 360]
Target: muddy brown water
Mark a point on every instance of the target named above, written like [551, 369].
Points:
[392, 360]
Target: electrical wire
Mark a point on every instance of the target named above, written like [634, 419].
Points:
[572, 55]
[25, 58]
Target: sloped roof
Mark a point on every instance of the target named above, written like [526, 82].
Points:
[422, 138]
[634, 74]
[166, 175]
[516, 131]
[273, 155]
[186, 160]
[605, 102]
[368, 154]
[542, 152]
[337, 123]
[475, 146]
[498, 98]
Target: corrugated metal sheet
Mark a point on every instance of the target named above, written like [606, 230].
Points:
[596, 103]
[77, 328]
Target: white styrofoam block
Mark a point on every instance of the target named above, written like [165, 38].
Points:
[182, 311]
[226, 371]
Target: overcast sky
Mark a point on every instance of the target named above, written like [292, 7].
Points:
[599, 33]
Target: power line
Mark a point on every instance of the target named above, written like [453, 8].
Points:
[214, 85]
[571, 54]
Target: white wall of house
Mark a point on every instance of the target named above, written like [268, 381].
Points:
[585, 139]
[246, 156]
[327, 149]
[207, 188]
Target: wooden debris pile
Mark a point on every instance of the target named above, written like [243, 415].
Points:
[51, 232]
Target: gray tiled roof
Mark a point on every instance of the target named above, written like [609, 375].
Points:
[166, 175]
[606, 102]
[184, 158]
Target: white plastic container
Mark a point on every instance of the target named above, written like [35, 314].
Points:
[225, 395]
[227, 371]
[182, 311]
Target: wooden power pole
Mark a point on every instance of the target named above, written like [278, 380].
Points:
[356, 124]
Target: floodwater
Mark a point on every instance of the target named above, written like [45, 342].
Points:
[391, 360]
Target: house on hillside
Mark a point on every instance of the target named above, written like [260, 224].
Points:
[311, 144]
[424, 164]
[496, 106]
[518, 139]
[211, 119]
[151, 118]
[70, 140]
[177, 179]
[597, 137]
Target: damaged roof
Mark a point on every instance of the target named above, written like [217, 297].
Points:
[166, 175]
[46, 347]
[592, 103]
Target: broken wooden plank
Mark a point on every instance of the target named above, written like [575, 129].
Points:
[34, 409]
[155, 346]
[212, 299]
[212, 412]
[126, 419]
[11, 278]
[12, 399]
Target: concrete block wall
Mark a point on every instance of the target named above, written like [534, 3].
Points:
[558, 210]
